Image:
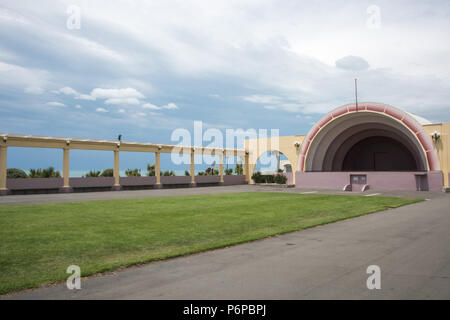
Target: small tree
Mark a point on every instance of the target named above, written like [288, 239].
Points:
[280, 179]
[229, 172]
[50, 172]
[92, 174]
[239, 169]
[108, 173]
[151, 170]
[133, 173]
[14, 173]
[187, 173]
[35, 173]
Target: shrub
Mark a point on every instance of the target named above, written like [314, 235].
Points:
[228, 172]
[92, 174]
[187, 173]
[151, 170]
[280, 179]
[133, 173]
[239, 169]
[168, 173]
[50, 172]
[13, 173]
[108, 173]
[269, 178]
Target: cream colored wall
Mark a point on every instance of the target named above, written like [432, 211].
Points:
[285, 145]
[442, 146]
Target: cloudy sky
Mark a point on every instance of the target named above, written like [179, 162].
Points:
[145, 68]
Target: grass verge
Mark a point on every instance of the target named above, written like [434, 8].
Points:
[38, 242]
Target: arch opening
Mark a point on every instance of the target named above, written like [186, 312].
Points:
[365, 141]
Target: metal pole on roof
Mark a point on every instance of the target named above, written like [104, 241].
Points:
[356, 93]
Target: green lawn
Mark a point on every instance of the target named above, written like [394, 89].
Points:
[38, 242]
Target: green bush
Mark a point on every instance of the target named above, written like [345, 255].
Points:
[239, 169]
[187, 173]
[14, 173]
[50, 172]
[228, 172]
[151, 170]
[168, 173]
[133, 173]
[269, 178]
[92, 174]
[108, 173]
[280, 179]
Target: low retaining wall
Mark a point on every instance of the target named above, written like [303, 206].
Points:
[290, 177]
[53, 185]
[375, 180]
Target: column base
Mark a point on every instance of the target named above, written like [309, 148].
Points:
[4, 192]
[157, 186]
[116, 188]
[193, 185]
[221, 183]
[66, 190]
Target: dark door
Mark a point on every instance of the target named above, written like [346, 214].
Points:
[421, 182]
[358, 179]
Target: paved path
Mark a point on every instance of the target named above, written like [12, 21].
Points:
[410, 244]
[107, 195]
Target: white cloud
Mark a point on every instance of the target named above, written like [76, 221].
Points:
[79, 96]
[78, 106]
[32, 81]
[56, 104]
[352, 63]
[34, 90]
[169, 106]
[102, 110]
[116, 93]
[261, 98]
[123, 101]
[150, 106]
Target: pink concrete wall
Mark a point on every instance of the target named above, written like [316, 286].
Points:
[233, 180]
[435, 180]
[56, 183]
[375, 180]
[207, 179]
[34, 183]
[289, 176]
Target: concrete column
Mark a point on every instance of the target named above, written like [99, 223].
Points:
[66, 185]
[3, 189]
[246, 167]
[158, 167]
[192, 172]
[221, 166]
[116, 171]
